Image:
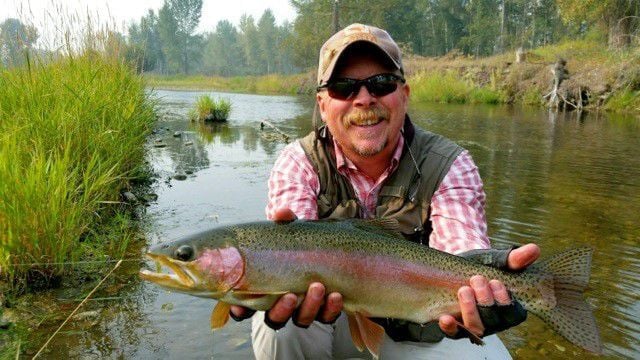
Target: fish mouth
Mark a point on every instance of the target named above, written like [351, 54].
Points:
[180, 276]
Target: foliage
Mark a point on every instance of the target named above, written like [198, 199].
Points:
[265, 84]
[223, 54]
[144, 37]
[439, 87]
[177, 21]
[72, 135]
[16, 39]
[426, 28]
[624, 101]
[620, 19]
[208, 108]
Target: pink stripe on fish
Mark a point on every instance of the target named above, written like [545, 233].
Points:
[358, 266]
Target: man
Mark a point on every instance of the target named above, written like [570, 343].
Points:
[369, 161]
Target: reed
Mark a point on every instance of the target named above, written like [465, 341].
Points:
[210, 109]
[437, 87]
[265, 84]
[72, 135]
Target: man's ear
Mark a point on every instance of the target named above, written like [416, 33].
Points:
[321, 100]
[407, 90]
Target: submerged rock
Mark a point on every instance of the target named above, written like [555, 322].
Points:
[180, 176]
[150, 197]
[129, 197]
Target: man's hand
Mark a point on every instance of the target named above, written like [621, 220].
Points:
[486, 293]
[314, 306]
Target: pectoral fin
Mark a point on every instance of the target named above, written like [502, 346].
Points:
[220, 315]
[366, 333]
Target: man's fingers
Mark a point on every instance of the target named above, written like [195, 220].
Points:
[310, 306]
[483, 293]
[331, 309]
[523, 256]
[469, 310]
[240, 313]
[500, 294]
[448, 325]
[284, 215]
[283, 308]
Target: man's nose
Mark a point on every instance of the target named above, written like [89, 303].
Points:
[363, 98]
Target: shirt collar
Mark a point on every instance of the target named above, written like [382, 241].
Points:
[343, 163]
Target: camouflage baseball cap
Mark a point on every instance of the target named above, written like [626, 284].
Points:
[340, 41]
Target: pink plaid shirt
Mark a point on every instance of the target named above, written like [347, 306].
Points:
[457, 207]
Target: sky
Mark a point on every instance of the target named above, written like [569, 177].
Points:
[123, 12]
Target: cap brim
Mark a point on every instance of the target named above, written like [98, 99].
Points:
[338, 57]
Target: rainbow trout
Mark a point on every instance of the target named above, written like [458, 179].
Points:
[377, 271]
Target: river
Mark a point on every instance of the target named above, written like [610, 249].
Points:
[558, 180]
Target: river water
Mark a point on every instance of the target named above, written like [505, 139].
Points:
[558, 180]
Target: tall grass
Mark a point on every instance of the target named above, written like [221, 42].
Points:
[208, 108]
[71, 136]
[265, 84]
[448, 87]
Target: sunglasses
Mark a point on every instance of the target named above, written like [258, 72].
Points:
[377, 85]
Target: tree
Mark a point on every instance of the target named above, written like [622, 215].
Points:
[144, 41]
[267, 34]
[250, 45]
[16, 39]
[223, 55]
[483, 27]
[177, 22]
[618, 18]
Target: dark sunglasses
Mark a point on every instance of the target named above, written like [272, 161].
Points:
[377, 85]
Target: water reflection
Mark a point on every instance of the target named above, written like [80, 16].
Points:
[559, 180]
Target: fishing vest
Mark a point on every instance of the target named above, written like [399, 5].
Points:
[407, 192]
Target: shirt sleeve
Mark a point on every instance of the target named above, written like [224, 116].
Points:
[457, 209]
[293, 184]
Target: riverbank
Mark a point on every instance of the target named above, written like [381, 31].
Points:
[274, 84]
[600, 78]
[597, 76]
[73, 134]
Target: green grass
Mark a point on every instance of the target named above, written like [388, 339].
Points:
[448, 87]
[624, 101]
[206, 106]
[71, 137]
[266, 84]
[439, 87]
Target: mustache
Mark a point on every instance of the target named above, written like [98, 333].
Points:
[368, 116]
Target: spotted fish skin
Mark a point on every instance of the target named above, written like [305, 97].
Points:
[378, 273]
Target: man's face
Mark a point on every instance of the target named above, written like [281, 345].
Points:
[364, 125]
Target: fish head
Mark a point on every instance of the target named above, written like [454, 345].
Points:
[206, 264]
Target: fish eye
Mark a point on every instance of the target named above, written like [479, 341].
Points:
[184, 253]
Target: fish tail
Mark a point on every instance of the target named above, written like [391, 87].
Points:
[564, 278]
